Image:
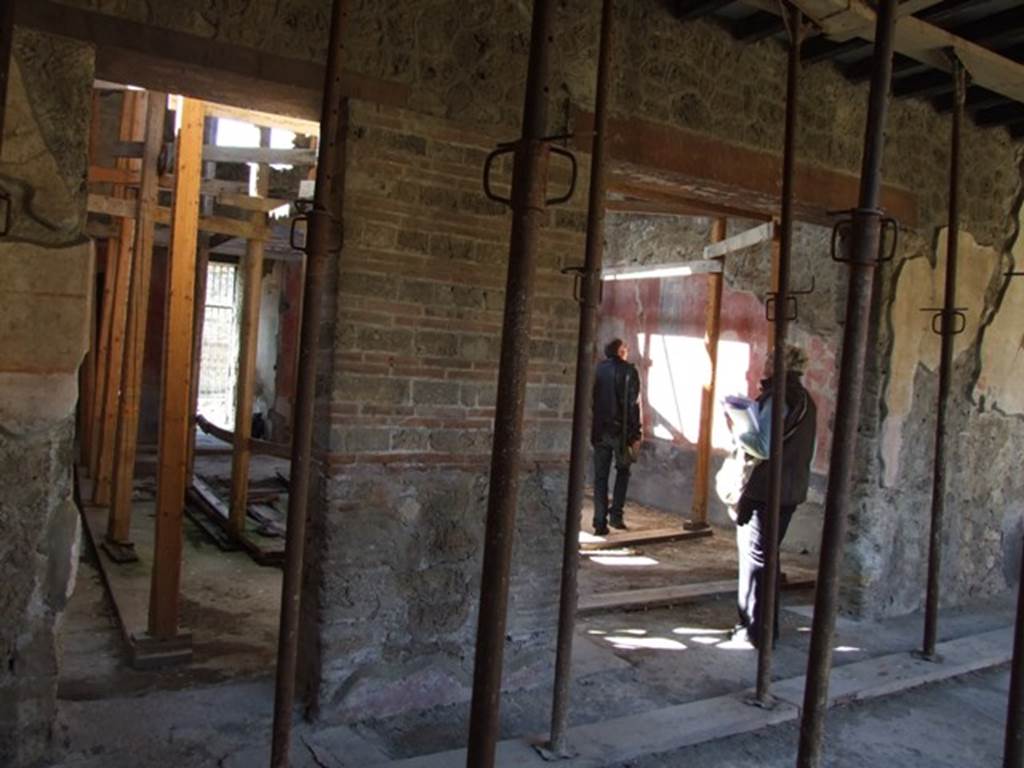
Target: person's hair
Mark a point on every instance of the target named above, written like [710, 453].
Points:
[611, 349]
[796, 360]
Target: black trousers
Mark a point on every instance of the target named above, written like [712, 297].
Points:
[751, 545]
[604, 455]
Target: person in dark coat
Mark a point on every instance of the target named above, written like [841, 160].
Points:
[799, 442]
[615, 432]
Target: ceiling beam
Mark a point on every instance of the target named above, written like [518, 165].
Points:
[977, 98]
[822, 49]
[687, 10]
[1004, 113]
[923, 42]
[757, 26]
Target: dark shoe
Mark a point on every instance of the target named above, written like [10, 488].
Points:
[601, 530]
[618, 524]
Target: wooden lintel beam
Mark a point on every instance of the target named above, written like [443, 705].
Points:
[164, 59]
[175, 397]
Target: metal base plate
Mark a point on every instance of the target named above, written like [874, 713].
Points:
[769, 703]
[934, 658]
[120, 552]
[552, 755]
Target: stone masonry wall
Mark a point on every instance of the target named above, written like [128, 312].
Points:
[46, 265]
[416, 341]
[664, 323]
[465, 63]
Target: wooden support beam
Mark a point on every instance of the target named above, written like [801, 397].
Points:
[738, 242]
[119, 524]
[264, 119]
[712, 331]
[924, 42]
[132, 126]
[198, 321]
[245, 390]
[164, 595]
[671, 205]
[102, 356]
[125, 209]
[252, 203]
[301, 157]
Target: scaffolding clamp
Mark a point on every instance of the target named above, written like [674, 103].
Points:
[792, 304]
[939, 327]
[580, 275]
[844, 226]
[511, 147]
[307, 212]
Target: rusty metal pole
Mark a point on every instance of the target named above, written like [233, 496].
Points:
[323, 241]
[770, 582]
[529, 181]
[931, 611]
[864, 253]
[590, 300]
[1013, 751]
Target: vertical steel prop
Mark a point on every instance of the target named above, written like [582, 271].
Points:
[1013, 751]
[865, 226]
[590, 300]
[947, 330]
[323, 240]
[528, 204]
[769, 584]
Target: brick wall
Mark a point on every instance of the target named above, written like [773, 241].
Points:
[416, 339]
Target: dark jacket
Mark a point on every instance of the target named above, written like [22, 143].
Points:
[616, 390]
[797, 447]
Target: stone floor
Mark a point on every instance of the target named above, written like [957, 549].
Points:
[217, 710]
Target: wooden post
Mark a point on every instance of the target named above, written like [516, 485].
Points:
[119, 522]
[712, 327]
[198, 319]
[245, 390]
[132, 118]
[177, 374]
[102, 357]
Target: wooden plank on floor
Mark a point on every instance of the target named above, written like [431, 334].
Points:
[177, 375]
[636, 538]
[119, 526]
[659, 597]
[127, 587]
[208, 502]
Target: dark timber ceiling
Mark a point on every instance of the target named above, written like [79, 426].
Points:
[995, 24]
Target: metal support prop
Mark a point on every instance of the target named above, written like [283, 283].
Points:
[931, 611]
[590, 300]
[770, 582]
[1013, 751]
[712, 330]
[864, 253]
[323, 238]
[529, 182]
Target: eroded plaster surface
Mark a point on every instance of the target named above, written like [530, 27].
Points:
[921, 284]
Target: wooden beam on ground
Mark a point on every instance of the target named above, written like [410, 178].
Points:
[245, 390]
[741, 241]
[660, 271]
[163, 59]
[132, 127]
[119, 525]
[712, 331]
[177, 374]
